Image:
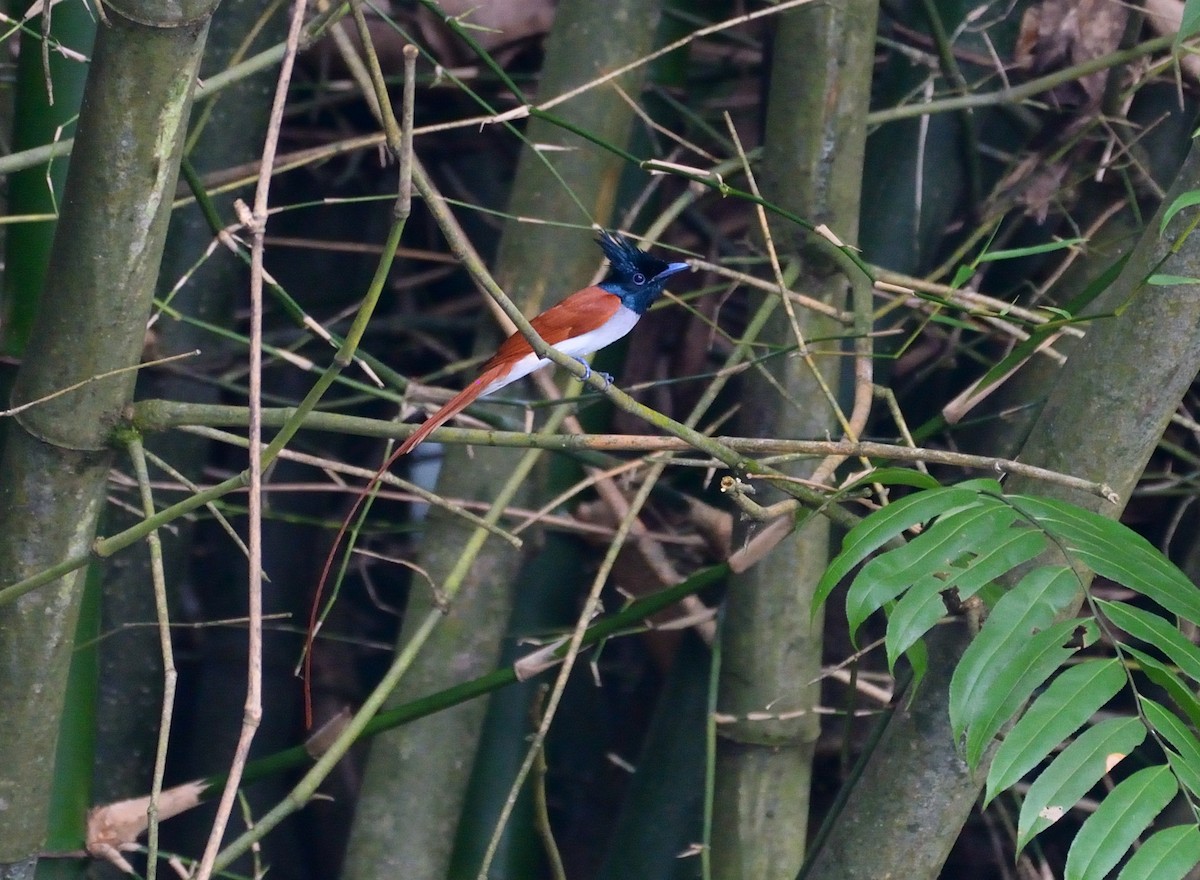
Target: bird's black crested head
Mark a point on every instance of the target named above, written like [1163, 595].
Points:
[626, 259]
[633, 274]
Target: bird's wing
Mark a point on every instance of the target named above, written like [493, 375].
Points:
[580, 312]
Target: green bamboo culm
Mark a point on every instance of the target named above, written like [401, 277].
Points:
[42, 113]
[100, 280]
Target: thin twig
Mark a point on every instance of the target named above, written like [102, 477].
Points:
[32, 403]
[591, 607]
[412, 489]
[213, 510]
[1024, 91]
[158, 577]
[400, 143]
[257, 223]
[826, 468]
[541, 807]
[748, 280]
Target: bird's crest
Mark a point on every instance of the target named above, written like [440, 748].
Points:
[626, 258]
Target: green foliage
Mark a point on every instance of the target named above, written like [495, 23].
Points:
[1060, 710]
[1187, 200]
[1190, 23]
[1074, 772]
[1168, 855]
[1019, 560]
[1125, 812]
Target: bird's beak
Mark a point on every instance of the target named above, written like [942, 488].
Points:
[672, 269]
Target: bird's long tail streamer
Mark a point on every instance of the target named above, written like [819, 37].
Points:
[452, 408]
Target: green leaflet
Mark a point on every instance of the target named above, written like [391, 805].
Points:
[1164, 676]
[890, 523]
[1028, 608]
[1064, 707]
[1121, 817]
[1072, 774]
[1191, 197]
[1154, 630]
[1185, 757]
[1115, 552]
[893, 476]
[923, 562]
[922, 606]
[1038, 658]
[1188, 27]
[1168, 855]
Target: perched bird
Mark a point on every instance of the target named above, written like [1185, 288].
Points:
[584, 322]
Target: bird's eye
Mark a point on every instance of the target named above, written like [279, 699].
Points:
[639, 278]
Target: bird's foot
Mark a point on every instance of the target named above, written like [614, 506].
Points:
[587, 373]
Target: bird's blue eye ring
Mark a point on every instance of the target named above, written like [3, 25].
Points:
[639, 278]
